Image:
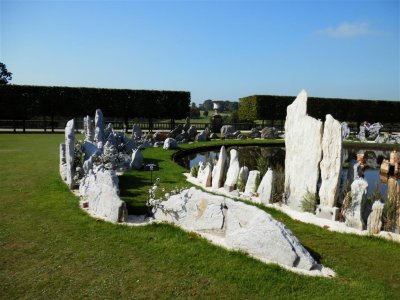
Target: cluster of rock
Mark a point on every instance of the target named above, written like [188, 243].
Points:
[92, 164]
[314, 152]
[307, 141]
[239, 181]
[236, 226]
[229, 132]
[184, 134]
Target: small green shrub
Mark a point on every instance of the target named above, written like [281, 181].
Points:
[278, 185]
[309, 202]
[194, 171]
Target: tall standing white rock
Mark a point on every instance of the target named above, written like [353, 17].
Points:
[331, 166]
[303, 135]
[99, 127]
[233, 171]
[264, 190]
[63, 162]
[206, 175]
[354, 215]
[70, 153]
[374, 223]
[252, 182]
[88, 127]
[242, 179]
[219, 169]
[136, 160]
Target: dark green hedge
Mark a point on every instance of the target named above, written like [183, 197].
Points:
[27, 102]
[263, 107]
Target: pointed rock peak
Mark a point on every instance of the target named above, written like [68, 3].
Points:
[299, 105]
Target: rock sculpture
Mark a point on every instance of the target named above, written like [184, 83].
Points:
[203, 136]
[63, 162]
[303, 135]
[354, 215]
[137, 160]
[99, 127]
[70, 153]
[242, 178]
[237, 226]
[264, 190]
[100, 190]
[345, 130]
[252, 183]
[88, 129]
[374, 223]
[331, 164]
[219, 169]
[233, 171]
[269, 133]
[170, 143]
[254, 133]
[227, 131]
[136, 132]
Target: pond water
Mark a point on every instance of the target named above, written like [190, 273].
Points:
[255, 158]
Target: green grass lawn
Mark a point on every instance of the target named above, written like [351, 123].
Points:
[50, 249]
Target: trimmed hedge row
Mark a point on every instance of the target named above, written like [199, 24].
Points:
[26, 102]
[264, 107]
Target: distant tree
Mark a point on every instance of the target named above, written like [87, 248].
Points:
[208, 105]
[205, 113]
[194, 111]
[5, 76]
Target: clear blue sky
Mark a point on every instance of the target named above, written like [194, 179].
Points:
[220, 50]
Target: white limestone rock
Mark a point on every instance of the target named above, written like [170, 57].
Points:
[354, 215]
[170, 143]
[137, 160]
[99, 127]
[374, 223]
[264, 190]
[63, 163]
[254, 231]
[90, 148]
[252, 183]
[303, 135]
[331, 164]
[236, 226]
[194, 210]
[136, 132]
[242, 179]
[88, 128]
[206, 175]
[203, 136]
[100, 189]
[70, 153]
[219, 169]
[233, 171]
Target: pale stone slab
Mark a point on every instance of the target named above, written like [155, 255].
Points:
[237, 226]
[252, 182]
[88, 128]
[354, 215]
[137, 160]
[136, 132]
[374, 223]
[170, 143]
[233, 171]
[70, 153]
[99, 127]
[331, 164]
[327, 212]
[206, 178]
[303, 136]
[264, 190]
[243, 176]
[219, 169]
[100, 189]
[63, 163]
